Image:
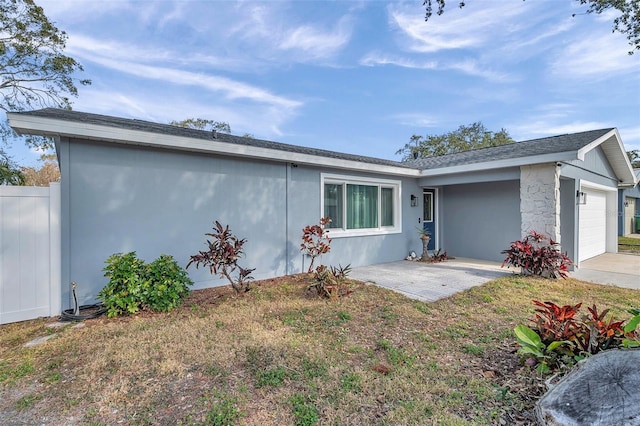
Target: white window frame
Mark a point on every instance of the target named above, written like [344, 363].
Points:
[357, 180]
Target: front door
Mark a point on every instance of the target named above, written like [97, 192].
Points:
[429, 216]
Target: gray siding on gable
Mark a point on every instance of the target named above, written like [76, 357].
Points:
[120, 198]
[480, 220]
[595, 168]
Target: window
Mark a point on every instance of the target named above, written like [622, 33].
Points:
[427, 215]
[361, 206]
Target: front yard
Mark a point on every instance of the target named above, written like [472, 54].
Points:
[280, 356]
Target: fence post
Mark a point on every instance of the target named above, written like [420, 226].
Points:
[55, 248]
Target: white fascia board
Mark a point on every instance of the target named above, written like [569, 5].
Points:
[501, 164]
[612, 145]
[54, 127]
[596, 186]
[585, 149]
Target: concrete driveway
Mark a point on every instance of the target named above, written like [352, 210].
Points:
[621, 270]
[430, 281]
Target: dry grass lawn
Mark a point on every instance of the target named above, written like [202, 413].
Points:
[629, 245]
[278, 356]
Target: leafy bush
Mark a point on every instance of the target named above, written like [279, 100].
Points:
[538, 254]
[169, 284]
[225, 249]
[134, 285]
[127, 279]
[559, 338]
[326, 281]
[315, 241]
[340, 272]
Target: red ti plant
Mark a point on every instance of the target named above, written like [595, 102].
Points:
[556, 323]
[538, 254]
[315, 241]
[601, 332]
[225, 249]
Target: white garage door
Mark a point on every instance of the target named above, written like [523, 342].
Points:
[593, 224]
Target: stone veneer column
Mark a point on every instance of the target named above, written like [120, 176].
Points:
[540, 200]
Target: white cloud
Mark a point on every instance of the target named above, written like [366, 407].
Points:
[541, 128]
[469, 66]
[594, 56]
[314, 43]
[457, 29]
[102, 54]
[415, 120]
[84, 47]
[273, 33]
[630, 137]
[474, 68]
[263, 121]
[374, 58]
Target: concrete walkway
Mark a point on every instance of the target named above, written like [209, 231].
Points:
[430, 281]
[621, 270]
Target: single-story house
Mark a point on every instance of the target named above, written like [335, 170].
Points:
[132, 185]
[629, 207]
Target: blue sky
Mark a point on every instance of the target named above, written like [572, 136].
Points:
[356, 76]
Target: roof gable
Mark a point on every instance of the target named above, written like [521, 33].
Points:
[549, 149]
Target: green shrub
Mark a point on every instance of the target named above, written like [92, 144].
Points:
[127, 277]
[168, 284]
[134, 285]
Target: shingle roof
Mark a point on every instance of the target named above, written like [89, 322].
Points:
[533, 147]
[167, 129]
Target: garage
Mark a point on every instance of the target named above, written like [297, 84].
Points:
[629, 215]
[593, 224]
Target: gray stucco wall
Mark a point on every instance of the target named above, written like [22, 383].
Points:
[124, 198]
[356, 251]
[120, 198]
[568, 216]
[480, 220]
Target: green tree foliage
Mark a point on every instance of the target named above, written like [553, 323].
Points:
[203, 124]
[10, 173]
[634, 158]
[473, 136]
[34, 71]
[627, 23]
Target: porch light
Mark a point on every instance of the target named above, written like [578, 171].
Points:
[581, 197]
[414, 201]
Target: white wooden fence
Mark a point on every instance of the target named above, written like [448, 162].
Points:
[29, 252]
